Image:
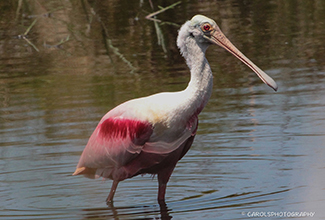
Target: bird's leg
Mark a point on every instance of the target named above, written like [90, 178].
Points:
[112, 192]
[163, 178]
[162, 192]
[164, 211]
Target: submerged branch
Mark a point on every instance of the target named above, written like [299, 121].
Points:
[30, 27]
[160, 37]
[116, 52]
[30, 43]
[150, 16]
[58, 45]
[109, 46]
[24, 35]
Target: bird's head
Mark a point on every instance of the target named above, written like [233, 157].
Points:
[205, 32]
[201, 28]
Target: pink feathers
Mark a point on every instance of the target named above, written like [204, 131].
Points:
[113, 144]
[122, 128]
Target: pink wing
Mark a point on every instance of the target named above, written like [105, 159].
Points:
[114, 143]
[119, 138]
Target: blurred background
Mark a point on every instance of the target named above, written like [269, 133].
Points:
[65, 63]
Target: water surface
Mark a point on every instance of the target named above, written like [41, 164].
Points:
[255, 150]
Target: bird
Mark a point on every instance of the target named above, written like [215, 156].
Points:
[149, 135]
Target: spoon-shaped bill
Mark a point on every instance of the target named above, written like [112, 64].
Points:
[217, 37]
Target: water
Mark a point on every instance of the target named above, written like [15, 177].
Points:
[256, 152]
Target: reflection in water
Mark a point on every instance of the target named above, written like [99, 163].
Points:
[255, 150]
[239, 203]
[160, 211]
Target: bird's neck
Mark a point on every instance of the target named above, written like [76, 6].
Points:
[199, 88]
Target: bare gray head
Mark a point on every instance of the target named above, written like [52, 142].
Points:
[191, 33]
[200, 32]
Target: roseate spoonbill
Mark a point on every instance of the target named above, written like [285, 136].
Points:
[151, 134]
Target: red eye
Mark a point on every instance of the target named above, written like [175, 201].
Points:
[206, 27]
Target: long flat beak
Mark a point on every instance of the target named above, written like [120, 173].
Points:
[217, 37]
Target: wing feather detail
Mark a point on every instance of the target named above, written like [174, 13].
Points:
[118, 140]
[164, 142]
[113, 144]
